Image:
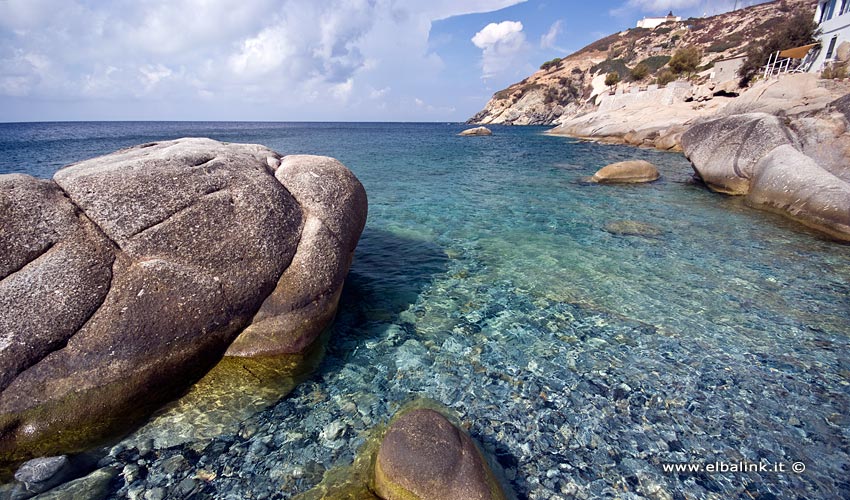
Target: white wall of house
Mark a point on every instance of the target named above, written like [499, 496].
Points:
[833, 18]
[654, 22]
[727, 69]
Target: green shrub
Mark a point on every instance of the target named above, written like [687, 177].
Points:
[612, 78]
[554, 63]
[721, 46]
[665, 77]
[685, 60]
[654, 63]
[639, 72]
[611, 65]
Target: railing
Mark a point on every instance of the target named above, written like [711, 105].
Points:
[777, 65]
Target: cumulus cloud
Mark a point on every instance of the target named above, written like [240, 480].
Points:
[284, 52]
[501, 45]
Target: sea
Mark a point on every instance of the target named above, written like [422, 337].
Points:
[621, 341]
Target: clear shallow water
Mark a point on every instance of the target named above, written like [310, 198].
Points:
[581, 359]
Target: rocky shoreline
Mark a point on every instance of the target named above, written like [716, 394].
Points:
[782, 144]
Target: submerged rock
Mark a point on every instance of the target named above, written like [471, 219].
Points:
[95, 486]
[634, 171]
[41, 474]
[130, 275]
[632, 228]
[424, 456]
[477, 131]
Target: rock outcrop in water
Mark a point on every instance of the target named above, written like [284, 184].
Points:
[128, 276]
[423, 456]
[476, 131]
[627, 172]
[793, 164]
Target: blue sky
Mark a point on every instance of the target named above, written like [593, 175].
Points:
[290, 60]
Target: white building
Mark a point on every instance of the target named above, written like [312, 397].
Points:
[833, 18]
[654, 22]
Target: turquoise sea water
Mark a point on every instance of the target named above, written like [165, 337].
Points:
[493, 278]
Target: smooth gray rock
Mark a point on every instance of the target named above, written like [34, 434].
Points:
[95, 486]
[40, 474]
[724, 151]
[307, 294]
[476, 131]
[339, 200]
[142, 270]
[818, 199]
[627, 172]
[54, 274]
[796, 166]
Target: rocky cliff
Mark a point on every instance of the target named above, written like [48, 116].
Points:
[568, 87]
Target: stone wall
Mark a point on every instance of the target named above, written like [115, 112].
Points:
[653, 94]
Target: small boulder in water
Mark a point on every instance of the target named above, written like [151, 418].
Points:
[476, 131]
[633, 171]
[424, 456]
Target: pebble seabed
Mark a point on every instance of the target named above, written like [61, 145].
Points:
[583, 361]
[568, 401]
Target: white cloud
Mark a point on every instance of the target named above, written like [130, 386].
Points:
[261, 54]
[286, 53]
[493, 34]
[378, 93]
[501, 45]
[154, 73]
[550, 39]
[342, 91]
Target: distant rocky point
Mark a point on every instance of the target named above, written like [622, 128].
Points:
[128, 276]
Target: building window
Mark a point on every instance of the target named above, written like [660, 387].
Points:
[831, 9]
[845, 6]
[831, 47]
[823, 9]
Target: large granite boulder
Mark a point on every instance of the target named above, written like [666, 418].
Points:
[423, 456]
[796, 166]
[627, 172]
[791, 183]
[724, 151]
[128, 277]
[307, 293]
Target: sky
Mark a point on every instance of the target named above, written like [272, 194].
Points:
[291, 60]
